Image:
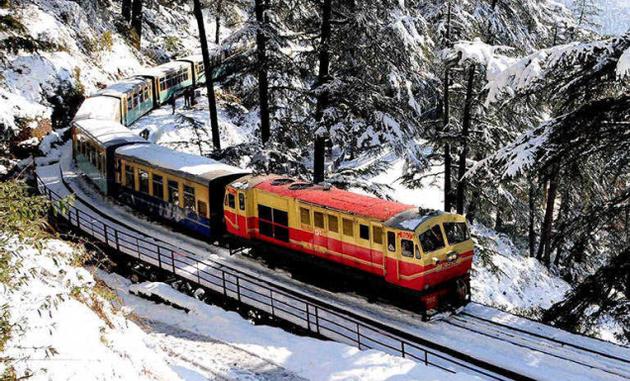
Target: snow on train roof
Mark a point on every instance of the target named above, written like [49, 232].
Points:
[184, 164]
[196, 58]
[100, 108]
[107, 133]
[123, 87]
[165, 68]
[334, 198]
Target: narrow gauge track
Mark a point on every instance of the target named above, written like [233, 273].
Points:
[452, 357]
[540, 343]
[563, 343]
[313, 314]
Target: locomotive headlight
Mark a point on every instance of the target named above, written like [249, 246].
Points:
[452, 256]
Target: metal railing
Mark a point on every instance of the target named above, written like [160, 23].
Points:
[277, 300]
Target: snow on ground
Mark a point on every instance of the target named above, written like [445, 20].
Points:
[302, 356]
[63, 330]
[505, 278]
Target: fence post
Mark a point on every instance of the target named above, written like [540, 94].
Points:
[273, 311]
[238, 289]
[105, 232]
[426, 357]
[358, 336]
[308, 317]
[116, 239]
[173, 261]
[76, 215]
[224, 286]
[317, 319]
[159, 257]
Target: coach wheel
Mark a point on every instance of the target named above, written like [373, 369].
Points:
[462, 290]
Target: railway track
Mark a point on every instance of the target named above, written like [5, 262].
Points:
[376, 329]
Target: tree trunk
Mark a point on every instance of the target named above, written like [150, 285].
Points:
[532, 216]
[126, 10]
[212, 103]
[263, 85]
[545, 234]
[217, 21]
[466, 121]
[562, 216]
[322, 98]
[446, 114]
[136, 22]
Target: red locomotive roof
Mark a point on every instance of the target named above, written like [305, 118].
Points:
[335, 198]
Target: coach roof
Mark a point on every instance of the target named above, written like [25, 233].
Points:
[193, 167]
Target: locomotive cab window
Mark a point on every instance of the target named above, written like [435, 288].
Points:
[432, 239]
[391, 241]
[456, 232]
[364, 232]
[407, 248]
[231, 201]
[173, 192]
[241, 201]
[305, 216]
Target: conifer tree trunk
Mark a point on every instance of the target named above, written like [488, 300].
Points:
[562, 215]
[466, 121]
[212, 103]
[545, 235]
[322, 98]
[217, 21]
[136, 22]
[263, 85]
[532, 216]
[446, 114]
[126, 10]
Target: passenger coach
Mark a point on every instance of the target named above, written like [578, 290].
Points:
[181, 188]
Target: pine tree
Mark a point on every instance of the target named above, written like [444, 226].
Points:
[214, 121]
[136, 22]
[263, 84]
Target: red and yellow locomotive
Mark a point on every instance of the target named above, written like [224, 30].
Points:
[428, 252]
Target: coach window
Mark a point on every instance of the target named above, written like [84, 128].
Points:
[129, 103]
[333, 223]
[407, 248]
[318, 219]
[129, 177]
[189, 198]
[377, 233]
[241, 201]
[173, 192]
[348, 227]
[391, 241]
[158, 186]
[202, 209]
[364, 232]
[305, 216]
[143, 178]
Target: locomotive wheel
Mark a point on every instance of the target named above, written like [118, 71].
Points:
[462, 291]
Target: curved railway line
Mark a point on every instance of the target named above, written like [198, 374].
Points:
[344, 318]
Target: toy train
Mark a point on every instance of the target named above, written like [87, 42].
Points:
[428, 254]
